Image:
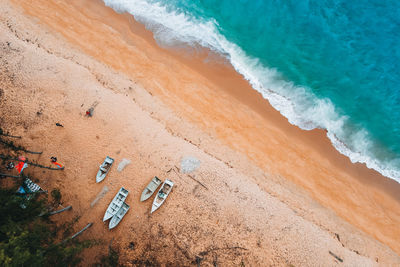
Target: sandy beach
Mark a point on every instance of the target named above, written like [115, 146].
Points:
[265, 193]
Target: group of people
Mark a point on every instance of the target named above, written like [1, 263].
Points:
[22, 164]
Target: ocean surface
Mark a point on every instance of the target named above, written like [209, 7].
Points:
[331, 64]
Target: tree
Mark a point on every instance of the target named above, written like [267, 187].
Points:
[27, 237]
[29, 240]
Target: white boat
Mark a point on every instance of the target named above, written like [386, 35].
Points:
[116, 204]
[162, 194]
[150, 188]
[104, 169]
[118, 217]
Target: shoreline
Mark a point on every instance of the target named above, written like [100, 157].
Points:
[237, 115]
[218, 66]
[242, 91]
[315, 142]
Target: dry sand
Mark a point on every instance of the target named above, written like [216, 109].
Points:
[273, 195]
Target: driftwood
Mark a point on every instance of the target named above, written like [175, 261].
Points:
[54, 212]
[197, 181]
[203, 253]
[81, 231]
[29, 162]
[17, 148]
[32, 193]
[8, 175]
[191, 177]
[335, 256]
[59, 211]
[78, 233]
[9, 135]
[177, 172]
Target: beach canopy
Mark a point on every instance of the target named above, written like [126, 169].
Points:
[21, 190]
[21, 165]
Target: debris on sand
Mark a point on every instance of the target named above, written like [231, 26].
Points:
[123, 164]
[90, 111]
[335, 256]
[99, 196]
[189, 164]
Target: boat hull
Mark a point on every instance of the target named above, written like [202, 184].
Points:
[104, 169]
[117, 218]
[150, 188]
[162, 195]
[116, 204]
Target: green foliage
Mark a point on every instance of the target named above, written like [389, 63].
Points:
[56, 195]
[110, 260]
[27, 235]
[66, 254]
[29, 240]
[68, 227]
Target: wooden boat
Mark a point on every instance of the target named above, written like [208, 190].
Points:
[104, 169]
[162, 194]
[150, 188]
[116, 204]
[118, 217]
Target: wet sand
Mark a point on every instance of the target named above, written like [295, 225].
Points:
[257, 166]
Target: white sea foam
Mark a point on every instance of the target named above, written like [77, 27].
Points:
[298, 104]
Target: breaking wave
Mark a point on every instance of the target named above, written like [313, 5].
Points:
[173, 26]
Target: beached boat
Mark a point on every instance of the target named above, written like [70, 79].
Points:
[116, 204]
[162, 194]
[150, 188]
[118, 217]
[104, 169]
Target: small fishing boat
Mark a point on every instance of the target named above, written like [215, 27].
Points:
[118, 217]
[162, 194]
[150, 188]
[116, 204]
[104, 169]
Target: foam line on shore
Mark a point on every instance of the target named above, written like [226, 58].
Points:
[240, 118]
[298, 104]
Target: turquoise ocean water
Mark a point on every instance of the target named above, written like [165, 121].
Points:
[330, 64]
